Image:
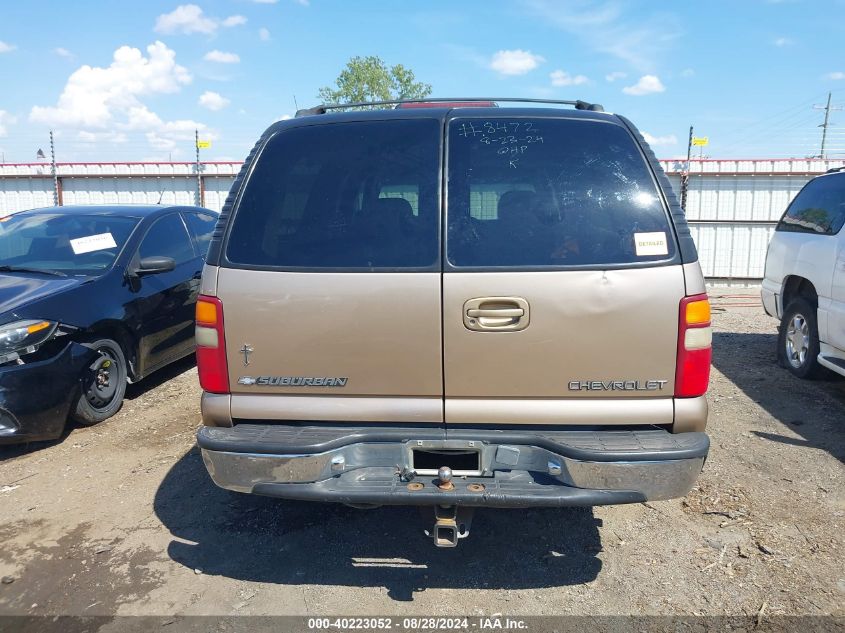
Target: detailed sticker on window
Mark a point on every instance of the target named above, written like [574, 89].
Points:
[92, 243]
[649, 244]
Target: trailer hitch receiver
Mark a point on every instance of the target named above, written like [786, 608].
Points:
[451, 523]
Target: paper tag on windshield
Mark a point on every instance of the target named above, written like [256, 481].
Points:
[92, 243]
[651, 244]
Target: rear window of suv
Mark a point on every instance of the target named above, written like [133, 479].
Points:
[526, 192]
[818, 208]
[357, 195]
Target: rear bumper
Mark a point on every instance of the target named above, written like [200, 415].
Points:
[35, 397]
[769, 297]
[516, 468]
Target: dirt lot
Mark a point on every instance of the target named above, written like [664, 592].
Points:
[123, 519]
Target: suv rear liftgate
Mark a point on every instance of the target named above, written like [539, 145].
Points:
[454, 307]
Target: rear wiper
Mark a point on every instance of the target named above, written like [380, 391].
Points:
[24, 269]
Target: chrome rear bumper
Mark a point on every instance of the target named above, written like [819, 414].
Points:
[515, 468]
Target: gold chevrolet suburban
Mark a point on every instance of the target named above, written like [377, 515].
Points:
[454, 304]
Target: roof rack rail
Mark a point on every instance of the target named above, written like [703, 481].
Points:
[324, 108]
[834, 170]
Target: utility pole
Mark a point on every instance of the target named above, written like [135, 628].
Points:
[56, 197]
[685, 174]
[827, 108]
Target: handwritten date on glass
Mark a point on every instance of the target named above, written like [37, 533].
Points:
[510, 139]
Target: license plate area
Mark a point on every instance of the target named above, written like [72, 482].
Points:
[426, 457]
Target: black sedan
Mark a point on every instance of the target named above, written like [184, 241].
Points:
[92, 298]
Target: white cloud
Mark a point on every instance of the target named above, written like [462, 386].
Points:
[263, 34]
[782, 41]
[265, 1]
[648, 84]
[189, 18]
[214, 101]
[687, 72]
[669, 139]
[221, 57]
[234, 20]
[636, 36]
[139, 117]
[63, 52]
[102, 137]
[562, 78]
[6, 120]
[171, 133]
[104, 103]
[515, 62]
[616, 74]
[6, 48]
[95, 97]
[835, 76]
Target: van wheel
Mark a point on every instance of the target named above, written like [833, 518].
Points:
[798, 340]
[103, 384]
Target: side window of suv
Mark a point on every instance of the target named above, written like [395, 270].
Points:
[551, 193]
[359, 195]
[818, 208]
[167, 238]
[201, 226]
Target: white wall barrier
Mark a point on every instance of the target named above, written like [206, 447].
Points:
[732, 205]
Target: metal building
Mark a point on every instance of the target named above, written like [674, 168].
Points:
[732, 205]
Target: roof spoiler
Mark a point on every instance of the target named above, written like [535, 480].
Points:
[324, 108]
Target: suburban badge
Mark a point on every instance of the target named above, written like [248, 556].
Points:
[293, 381]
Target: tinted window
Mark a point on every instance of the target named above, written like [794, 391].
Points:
[167, 238]
[551, 192]
[818, 208]
[351, 195]
[201, 227]
[63, 241]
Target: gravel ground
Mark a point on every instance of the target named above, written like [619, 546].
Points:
[122, 519]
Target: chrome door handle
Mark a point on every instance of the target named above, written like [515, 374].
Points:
[496, 314]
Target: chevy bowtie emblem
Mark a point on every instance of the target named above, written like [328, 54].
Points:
[246, 350]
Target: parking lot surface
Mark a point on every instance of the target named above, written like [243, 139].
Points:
[122, 518]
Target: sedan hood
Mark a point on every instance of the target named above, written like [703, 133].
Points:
[19, 290]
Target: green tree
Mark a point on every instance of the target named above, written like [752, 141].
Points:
[370, 79]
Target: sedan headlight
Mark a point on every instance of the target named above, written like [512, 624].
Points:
[24, 337]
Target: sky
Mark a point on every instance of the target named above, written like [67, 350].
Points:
[131, 81]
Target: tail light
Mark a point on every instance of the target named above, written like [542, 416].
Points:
[695, 337]
[211, 346]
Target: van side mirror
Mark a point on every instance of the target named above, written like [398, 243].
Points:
[155, 265]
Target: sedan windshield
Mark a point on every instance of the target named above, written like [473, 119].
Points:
[62, 243]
